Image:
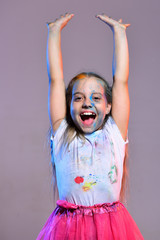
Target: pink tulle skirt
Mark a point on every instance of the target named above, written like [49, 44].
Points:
[107, 221]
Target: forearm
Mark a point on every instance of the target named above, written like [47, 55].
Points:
[120, 64]
[54, 56]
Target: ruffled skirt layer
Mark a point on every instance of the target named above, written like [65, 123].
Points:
[107, 221]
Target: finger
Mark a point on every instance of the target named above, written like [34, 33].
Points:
[103, 16]
[127, 25]
[49, 23]
[100, 17]
[106, 19]
[120, 20]
[67, 18]
[69, 15]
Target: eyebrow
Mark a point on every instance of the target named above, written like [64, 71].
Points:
[92, 93]
[77, 93]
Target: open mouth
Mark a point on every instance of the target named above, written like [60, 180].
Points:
[87, 117]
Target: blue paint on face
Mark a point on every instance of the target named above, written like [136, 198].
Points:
[88, 95]
[91, 99]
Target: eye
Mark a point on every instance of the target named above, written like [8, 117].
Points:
[78, 98]
[96, 98]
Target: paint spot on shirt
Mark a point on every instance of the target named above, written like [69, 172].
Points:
[113, 174]
[86, 160]
[88, 185]
[79, 179]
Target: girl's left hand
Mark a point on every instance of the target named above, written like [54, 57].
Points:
[113, 24]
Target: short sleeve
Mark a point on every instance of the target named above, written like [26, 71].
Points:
[112, 127]
[57, 139]
[60, 131]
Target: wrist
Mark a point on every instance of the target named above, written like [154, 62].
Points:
[54, 35]
[54, 29]
[119, 30]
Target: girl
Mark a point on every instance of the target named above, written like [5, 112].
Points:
[89, 125]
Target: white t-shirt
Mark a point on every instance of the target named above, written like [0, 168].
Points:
[89, 172]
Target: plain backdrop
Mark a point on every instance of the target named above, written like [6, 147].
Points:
[26, 196]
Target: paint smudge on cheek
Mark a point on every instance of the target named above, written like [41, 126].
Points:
[91, 100]
[99, 121]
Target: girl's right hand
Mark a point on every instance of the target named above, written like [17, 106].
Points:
[59, 23]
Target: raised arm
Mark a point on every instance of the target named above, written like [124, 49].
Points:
[120, 70]
[56, 93]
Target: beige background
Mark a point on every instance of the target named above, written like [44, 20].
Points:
[26, 195]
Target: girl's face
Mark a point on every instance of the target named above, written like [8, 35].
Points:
[89, 104]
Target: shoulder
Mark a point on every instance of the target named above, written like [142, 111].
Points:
[60, 130]
[56, 140]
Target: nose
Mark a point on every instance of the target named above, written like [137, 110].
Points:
[87, 103]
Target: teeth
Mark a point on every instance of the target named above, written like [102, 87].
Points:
[87, 113]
